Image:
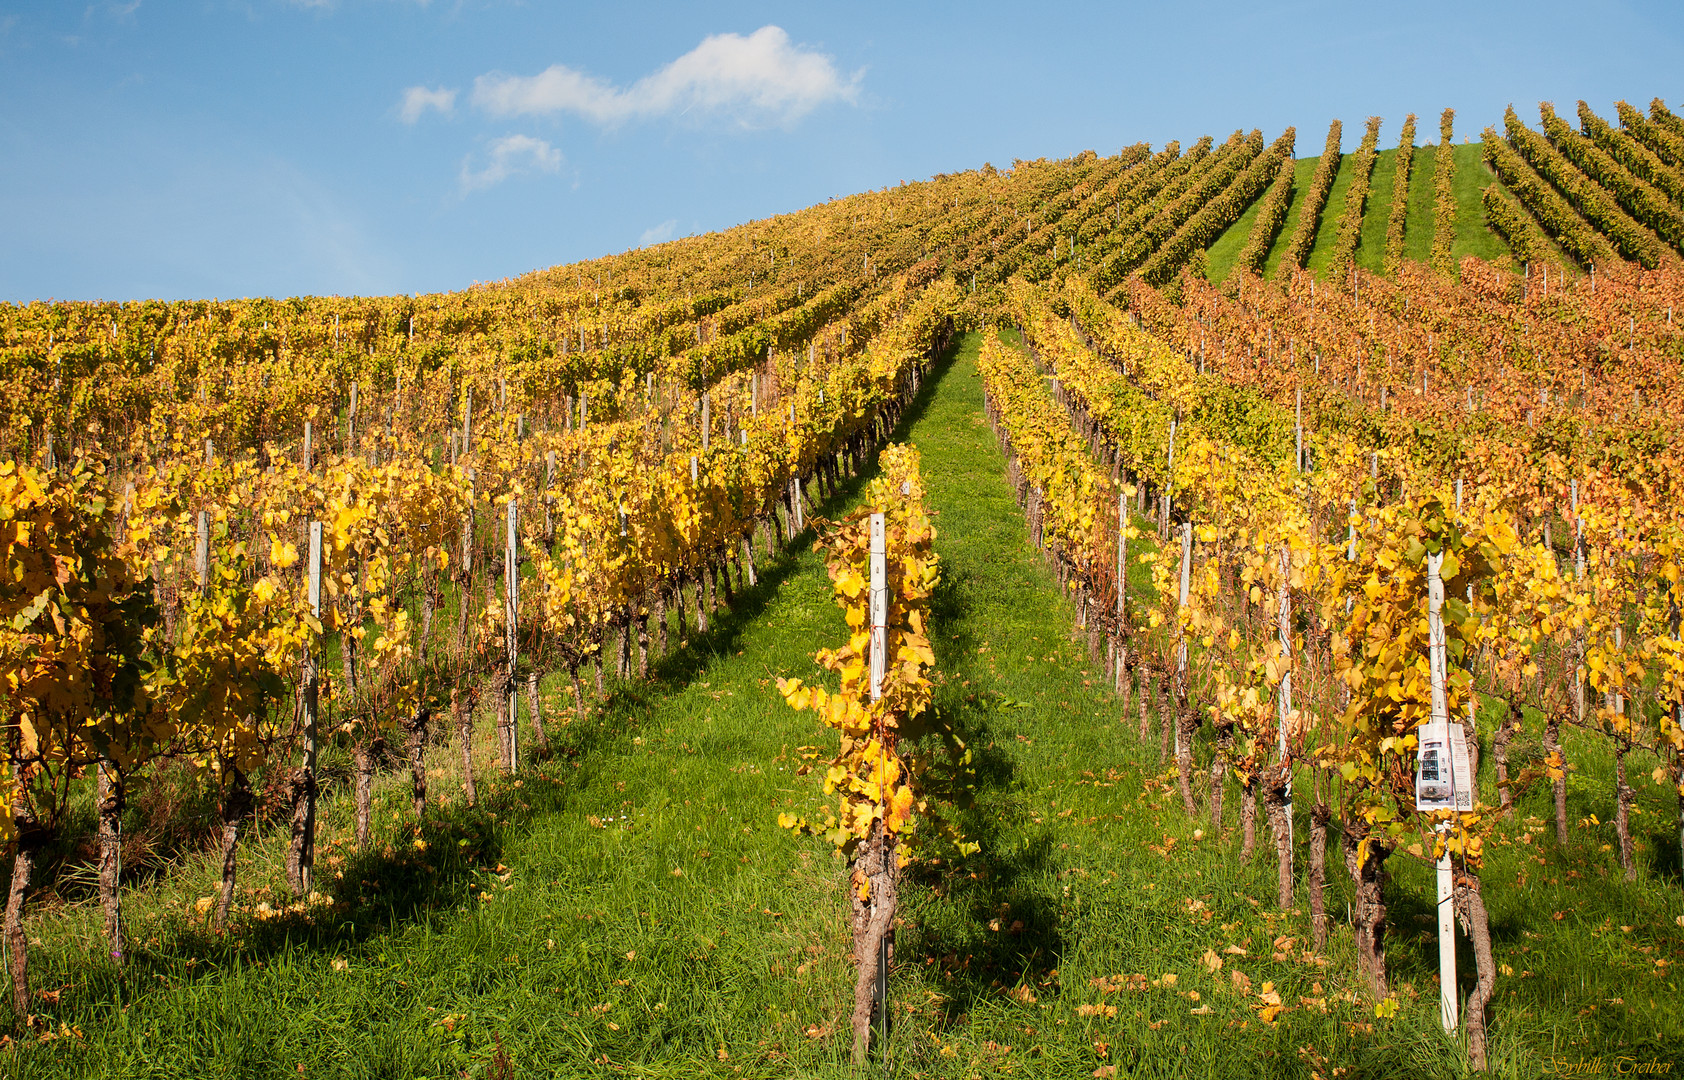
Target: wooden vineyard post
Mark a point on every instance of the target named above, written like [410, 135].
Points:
[308, 462]
[301, 857]
[706, 424]
[1448, 999]
[879, 657]
[511, 609]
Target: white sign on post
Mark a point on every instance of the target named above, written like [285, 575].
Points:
[1441, 756]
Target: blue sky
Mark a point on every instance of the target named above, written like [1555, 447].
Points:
[244, 147]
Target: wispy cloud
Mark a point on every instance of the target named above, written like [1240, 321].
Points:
[418, 99]
[658, 234]
[758, 80]
[510, 156]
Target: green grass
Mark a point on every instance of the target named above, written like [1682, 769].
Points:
[1418, 224]
[628, 906]
[1328, 228]
[1302, 171]
[1473, 236]
[1220, 256]
[1371, 249]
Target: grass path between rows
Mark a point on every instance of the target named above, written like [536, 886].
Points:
[628, 906]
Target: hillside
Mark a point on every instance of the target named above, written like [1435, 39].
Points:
[407, 685]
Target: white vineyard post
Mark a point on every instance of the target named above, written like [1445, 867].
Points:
[511, 609]
[1298, 428]
[1677, 707]
[1448, 999]
[468, 532]
[351, 421]
[549, 476]
[467, 418]
[706, 421]
[879, 650]
[307, 447]
[879, 603]
[201, 548]
[1181, 633]
[1122, 553]
[1169, 483]
[1118, 674]
[307, 849]
[1284, 618]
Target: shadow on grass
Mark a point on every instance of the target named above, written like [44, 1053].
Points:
[987, 924]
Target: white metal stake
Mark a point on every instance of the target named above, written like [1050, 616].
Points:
[1284, 619]
[1169, 483]
[879, 649]
[511, 609]
[468, 529]
[1351, 548]
[201, 550]
[1298, 408]
[467, 418]
[1448, 998]
[1122, 552]
[307, 856]
[1181, 647]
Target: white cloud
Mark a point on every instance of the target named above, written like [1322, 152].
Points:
[509, 156]
[658, 234]
[760, 80]
[418, 99]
